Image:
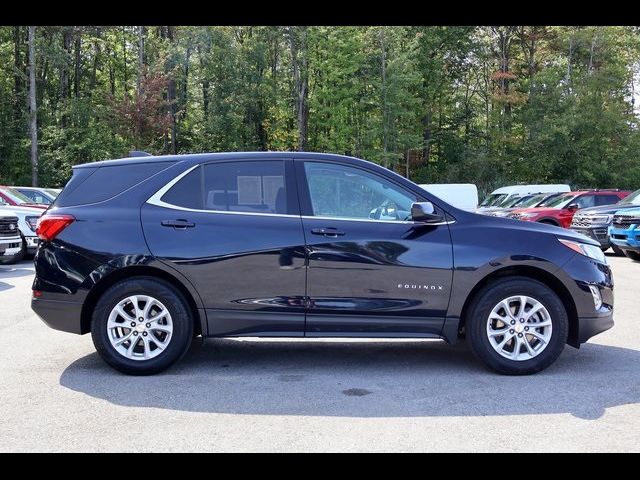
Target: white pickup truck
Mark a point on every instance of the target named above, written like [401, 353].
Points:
[10, 241]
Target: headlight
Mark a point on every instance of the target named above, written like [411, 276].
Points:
[585, 249]
[500, 214]
[32, 221]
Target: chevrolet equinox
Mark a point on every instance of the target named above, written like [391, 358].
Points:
[145, 253]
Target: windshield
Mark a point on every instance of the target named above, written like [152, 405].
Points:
[559, 202]
[493, 199]
[633, 199]
[533, 201]
[512, 202]
[37, 196]
[16, 196]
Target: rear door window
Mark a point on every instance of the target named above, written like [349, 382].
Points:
[257, 187]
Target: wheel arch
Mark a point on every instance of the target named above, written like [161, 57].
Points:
[549, 221]
[533, 273]
[138, 271]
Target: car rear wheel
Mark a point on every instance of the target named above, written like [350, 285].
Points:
[141, 326]
[632, 255]
[517, 326]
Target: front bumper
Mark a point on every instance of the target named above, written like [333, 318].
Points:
[32, 243]
[590, 326]
[627, 238]
[598, 233]
[10, 246]
[59, 315]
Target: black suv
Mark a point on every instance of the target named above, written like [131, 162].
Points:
[594, 222]
[146, 253]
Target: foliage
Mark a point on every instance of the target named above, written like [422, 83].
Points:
[489, 105]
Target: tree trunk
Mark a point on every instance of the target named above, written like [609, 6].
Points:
[171, 92]
[77, 66]
[141, 59]
[124, 55]
[385, 112]
[205, 81]
[33, 118]
[17, 76]
[298, 45]
[96, 60]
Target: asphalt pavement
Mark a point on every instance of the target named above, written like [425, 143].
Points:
[56, 394]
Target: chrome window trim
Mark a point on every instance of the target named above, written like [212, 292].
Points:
[155, 199]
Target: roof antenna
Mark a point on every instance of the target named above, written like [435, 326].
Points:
[139, 153]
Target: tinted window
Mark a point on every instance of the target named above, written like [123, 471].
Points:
[347, 192]
[245, 187]
[606, 199]
[585, 201]
[187, 192]
[105, 182]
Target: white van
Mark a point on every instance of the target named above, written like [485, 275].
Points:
[503, 194]
[460, 195]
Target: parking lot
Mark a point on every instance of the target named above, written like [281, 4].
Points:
[336, 395]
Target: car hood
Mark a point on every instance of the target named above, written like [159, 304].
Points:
[538, 210]
[17, 210]
[604, 209]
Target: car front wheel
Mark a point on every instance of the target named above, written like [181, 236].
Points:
[632, 255]
[141, 326]
[517, 326]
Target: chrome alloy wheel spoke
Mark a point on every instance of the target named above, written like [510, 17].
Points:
[140, 327]
[519, 328]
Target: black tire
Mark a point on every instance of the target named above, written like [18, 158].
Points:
[487, 298]
[173, 300]
[18, 257]
[617, 250]
[635, 256]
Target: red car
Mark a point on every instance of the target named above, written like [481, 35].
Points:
[559, 210]
[10, 196]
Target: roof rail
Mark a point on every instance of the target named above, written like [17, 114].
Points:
[139, 153]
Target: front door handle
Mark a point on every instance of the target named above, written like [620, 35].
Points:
[327, 232]
[180, 223]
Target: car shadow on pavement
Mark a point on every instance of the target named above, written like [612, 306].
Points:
[15, 271]
[365, 379]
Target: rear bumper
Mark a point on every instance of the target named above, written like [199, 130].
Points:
[59, 315]
[590, 326]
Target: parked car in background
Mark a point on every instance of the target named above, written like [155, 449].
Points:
[503, 194]
[10, 196]
[528, 201]
[27, 220]
[624, 232]
[41, 196]
[10, 241]
[560, 210]
[283, 244]
[460, 195]
[594, 222]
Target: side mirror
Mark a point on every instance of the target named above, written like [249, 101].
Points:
[425, 213]
[573, 207]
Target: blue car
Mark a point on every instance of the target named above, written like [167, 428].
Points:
[624, 232]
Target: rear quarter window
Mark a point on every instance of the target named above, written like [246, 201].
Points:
[92, 185]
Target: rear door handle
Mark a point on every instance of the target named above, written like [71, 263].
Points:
[180, 223]
[327, 232]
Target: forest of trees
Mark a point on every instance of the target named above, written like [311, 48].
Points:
[488, 105]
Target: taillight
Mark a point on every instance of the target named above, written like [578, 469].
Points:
[49, 226]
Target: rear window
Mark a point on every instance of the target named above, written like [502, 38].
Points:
[91, 185]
